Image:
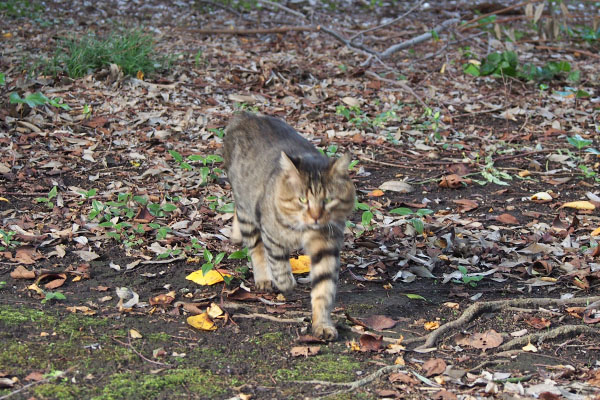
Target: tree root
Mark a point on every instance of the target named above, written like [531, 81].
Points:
[476, 309]
[565, 330]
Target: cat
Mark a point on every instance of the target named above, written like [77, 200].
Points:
[288, 196]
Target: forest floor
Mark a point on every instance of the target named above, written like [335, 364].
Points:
[490, 291]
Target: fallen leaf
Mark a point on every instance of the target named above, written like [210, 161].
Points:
[579, 205]
[484, 340]
[351, 101]
[214, 311]
[82, 309]
[465, 205]
[376, 193]
[537, 323]
[401, 377]
[379, 322]
[444, 395]
[210, 278]
[541, 197]
[86, 255]
[35, 376]
[396, 186]
[202, 322]
[507, 219]
[454, 181]
[27, 255]
[305, 351]
[530, 348]
[451, 305]
[370, 342]
[162, 299]
[388, 393]
[300, 265]
[135, 334]
[595, 379]
[57, 280]
[127, 298]
[431, 325]
[434, 366]
[596, 232]
[22, 273]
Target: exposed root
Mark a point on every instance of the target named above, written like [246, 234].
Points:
[561, 331]
[476, 309]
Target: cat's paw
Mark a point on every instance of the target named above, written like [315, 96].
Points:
[326, 332]
[286, 284]
[264, 286]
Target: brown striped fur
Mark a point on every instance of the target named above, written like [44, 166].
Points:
[288, 196]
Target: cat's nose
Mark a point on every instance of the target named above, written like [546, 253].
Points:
[315, 213]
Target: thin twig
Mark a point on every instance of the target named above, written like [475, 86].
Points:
[271, 318]
[255, 31]
[399, 83]
[143, 357]
[392, 22]
[538, 337]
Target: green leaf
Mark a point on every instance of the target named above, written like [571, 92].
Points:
[2, 79]
[424, 211]
[414, 296]
[213, 158]
[196, 157]
[106, 224]
[401, 211]
[140, 200]
[208, 255]
[52, 193]
[226, 208]
[219, 258]
[176, 156]
[207, 267]
[168, 207]
[363, 206]
[471, 69]
[186, 166]
[53, 296]
[417, 223]
[367, 216]
[239, 255]
[154, 225]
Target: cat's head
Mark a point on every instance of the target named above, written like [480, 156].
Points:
[313, 191]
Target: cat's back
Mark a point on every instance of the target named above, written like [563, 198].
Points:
[253, 135]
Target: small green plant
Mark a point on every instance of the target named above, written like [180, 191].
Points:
[578, 142]
[2, 284]
[491, 174]
[208, 171]
[199, 59]
[417, 220]
[38, 99]
[246, 107]
[7, 241]
[49, 296]
[466, 279]
[218, 132]
[48, 200]
[87, 111]
[433, 121]
[211, 262]
[21, 9]
[220, 204]
[2, 79]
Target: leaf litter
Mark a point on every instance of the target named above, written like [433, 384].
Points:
[488, 237]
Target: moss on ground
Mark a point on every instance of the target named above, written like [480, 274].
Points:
[325, 367]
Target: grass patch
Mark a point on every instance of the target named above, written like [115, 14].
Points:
[132, 50]
[21, 9]
[325, 367]
[131, 386]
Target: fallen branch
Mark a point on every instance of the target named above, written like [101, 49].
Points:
[491, 306]
[565, 330]
[392, 22]
[398, 83]
[256, 31]
[271, 318]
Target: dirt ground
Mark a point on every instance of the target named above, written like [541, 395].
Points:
[495, 297]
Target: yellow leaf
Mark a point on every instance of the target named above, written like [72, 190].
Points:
[524, 173]
[7, 35]
[135, 334]
[596, 232]
[36, 289]
[530, 348]
[376, 193]
[202, 322]
[300, 265]
[3, 199]
[579, 205]
[140, 75]
[214, 311]
[353, 345]
[210, 278]
[432, 326]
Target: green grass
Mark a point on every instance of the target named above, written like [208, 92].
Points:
[132, 50]
[21, 9]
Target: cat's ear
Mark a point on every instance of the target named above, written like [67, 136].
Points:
[287, 166]
[340, 166]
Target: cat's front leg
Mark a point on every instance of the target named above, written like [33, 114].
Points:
[324, 255]
[278, 260]
[250, 237]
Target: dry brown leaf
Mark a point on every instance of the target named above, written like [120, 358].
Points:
[465, 205]
[434, 366]
[538, 323]
[401, 377]
[507, 219]
[22, 273]
[57, 281]
[444, 395]
[370, 342]
[305, 351]
[379, 322]
[162, 299]
[431, 325]
[485, 340]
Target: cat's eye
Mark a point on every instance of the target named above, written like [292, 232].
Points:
[303, 200]
[327, 200]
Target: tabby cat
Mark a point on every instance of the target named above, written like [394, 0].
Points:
[288, 196]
